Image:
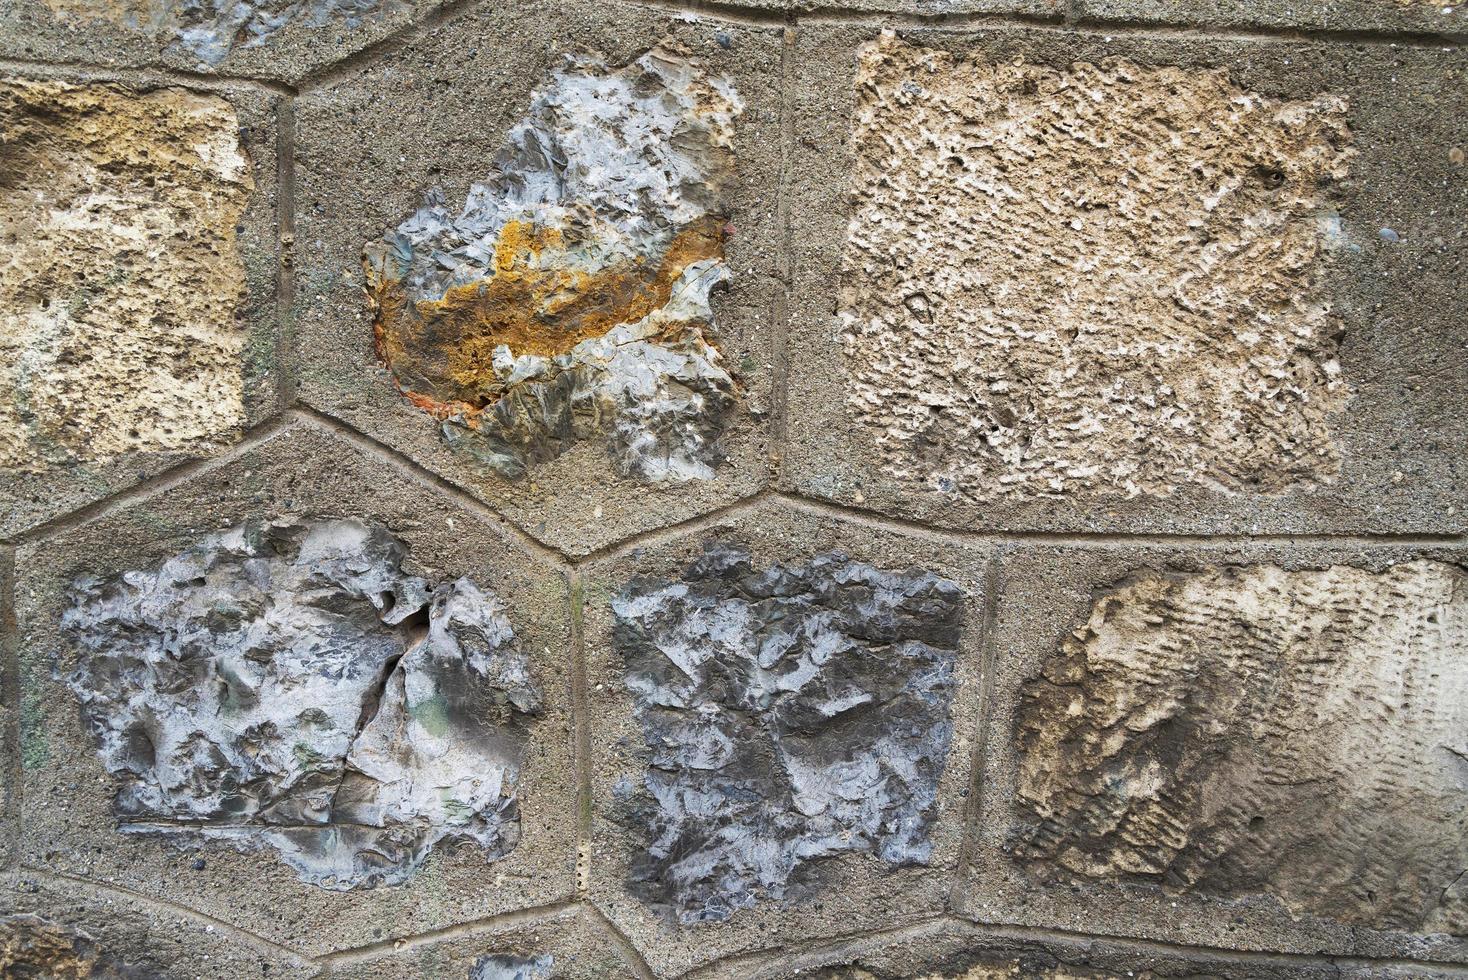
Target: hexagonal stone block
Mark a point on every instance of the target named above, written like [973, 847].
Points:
[569, 260]
[1095, 283]
[54, 928]
[269, 40]
[1258, 748]
[573, 944]
[139, 294]
[783, 708]
[303, 694]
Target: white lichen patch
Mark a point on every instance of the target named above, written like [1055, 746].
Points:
[1107, 279]
[1238, 731]
[210, 30]
[568, 298]
[286, 685]
[121, 274]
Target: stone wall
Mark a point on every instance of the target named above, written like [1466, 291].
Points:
[751, 489]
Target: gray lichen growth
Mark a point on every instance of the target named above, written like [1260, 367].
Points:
[568, 299]
[789, 715]
[287, 685]
[499, 966]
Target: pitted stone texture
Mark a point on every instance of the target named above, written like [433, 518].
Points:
[789, 714]
[287, 685]
[209, 30]
[1103, 280]
[121, 280]
[1247, 730]
[31, 946]
[569, 297]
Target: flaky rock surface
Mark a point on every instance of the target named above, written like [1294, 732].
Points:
[568, 298]
[788, 715]
[287, 685]
[1250, 730]
[1106, 279]
[34, 948]
[121, 276]
[502, 966]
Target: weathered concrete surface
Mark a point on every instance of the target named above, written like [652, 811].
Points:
[957, 951]
[568, 298]
[780, 735]
[1024, 336]
[138, 288]
[569, 945]
[361, 173]
[1441, 18]
[1257, 748]
[312, 611]
[286, 685]
[273, 39]
[55, 930]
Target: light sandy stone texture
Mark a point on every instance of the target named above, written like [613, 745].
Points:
[1258, 748]
[573, 944]
[137, 281]
[334, 806]
[958, 951]
[783, 715]
[627, 393]
[1085, 282]
[61, 930]
[285, 40]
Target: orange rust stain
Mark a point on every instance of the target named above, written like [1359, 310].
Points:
[536, 302]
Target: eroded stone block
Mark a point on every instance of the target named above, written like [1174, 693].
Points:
[568, 298]
[210, 29]
[31, 946]
[498, 966]
[121, 274]
[288, 685]
[789, 714]
[1107, 279]
[1246, 729]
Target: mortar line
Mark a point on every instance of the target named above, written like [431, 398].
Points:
[974, 804]
[718, 10]
[285, 273]
[418, 473]
[581, 729]
[488, 924]
[912, 527]
[625, 946]
[153, 76]
[154, 485]
[1075, 12]
[373, 54]
[815, 949]
[966, 23]
[234, 932]
[14, 800]
[683, 528]
[780, 327]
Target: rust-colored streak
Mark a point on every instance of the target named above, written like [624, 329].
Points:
[537, 301]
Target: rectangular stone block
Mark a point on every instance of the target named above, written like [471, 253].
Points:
[1251, 747]
[1094, 283]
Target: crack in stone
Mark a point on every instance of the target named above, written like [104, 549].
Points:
[287, 685]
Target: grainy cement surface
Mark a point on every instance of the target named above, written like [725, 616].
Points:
[558, 490]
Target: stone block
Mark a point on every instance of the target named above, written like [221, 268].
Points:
[1418, 20]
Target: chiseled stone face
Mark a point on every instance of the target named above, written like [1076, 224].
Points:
[567, 298]
[121, 274]
[789, 714]
[287, 685]
[1106, 279]
[1246, 730]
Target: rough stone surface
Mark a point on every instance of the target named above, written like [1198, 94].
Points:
[122, 276]
[789, 714]
[499, 966]
[34, 947]
[1250, 729]
[1101, 279]
[287, 685]
[569, 297]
